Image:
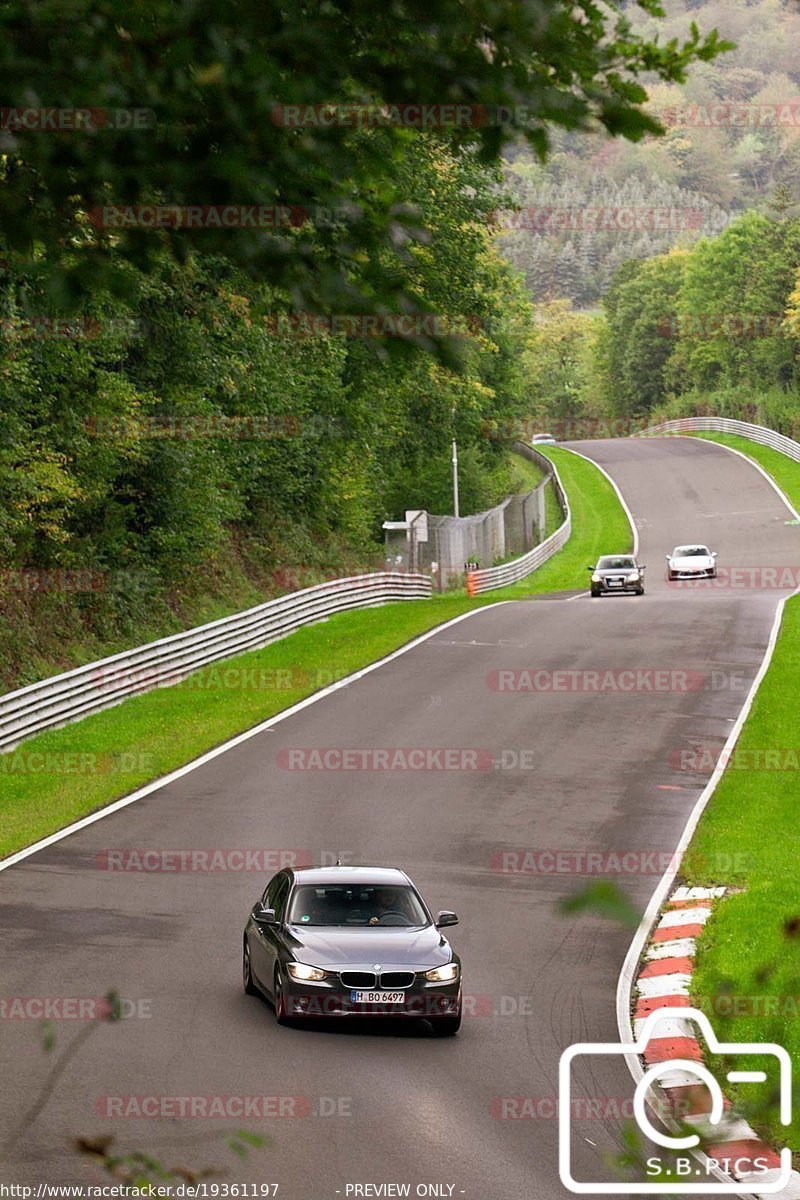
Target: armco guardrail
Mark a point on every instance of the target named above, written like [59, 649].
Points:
[489, 578]
[756, 433]
[98, 685]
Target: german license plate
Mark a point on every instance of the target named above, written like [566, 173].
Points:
[377, 997]
[615, 583]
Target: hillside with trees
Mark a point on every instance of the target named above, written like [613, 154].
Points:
[714, 329]
[731, 138]
[196, 413]
[199, 447]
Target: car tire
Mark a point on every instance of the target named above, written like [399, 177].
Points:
[595, 595]
[279, 1000]
[446, 1026]
[247, 972]
[671, 576]
[640, 591]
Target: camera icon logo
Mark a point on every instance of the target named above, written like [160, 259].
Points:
[700, 1170]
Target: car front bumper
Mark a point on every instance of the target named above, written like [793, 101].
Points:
[610, 589]
[705, 573]
[334, 1000]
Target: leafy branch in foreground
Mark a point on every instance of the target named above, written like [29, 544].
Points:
[216, 83]
[134, 1168]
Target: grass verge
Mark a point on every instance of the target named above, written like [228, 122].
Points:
[748, 972]
[57, 777]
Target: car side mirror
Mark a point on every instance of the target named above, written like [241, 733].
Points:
[446, 917]
[590, 568]
[264, 916]
[667, 557]
[713, 554]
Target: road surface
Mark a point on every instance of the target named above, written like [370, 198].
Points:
[582, 771]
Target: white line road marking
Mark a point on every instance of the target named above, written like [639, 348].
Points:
[631, 521]
[630, 965]
[264, 727]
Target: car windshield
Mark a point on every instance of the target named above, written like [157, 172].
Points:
[691, 552]
[341, 904]
[611, 561]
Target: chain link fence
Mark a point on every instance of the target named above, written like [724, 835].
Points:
[449, 546]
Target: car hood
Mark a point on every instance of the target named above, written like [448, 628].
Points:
[697, 562]
[362, 948]
[615, 572]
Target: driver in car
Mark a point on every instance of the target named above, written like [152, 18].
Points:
[386, 901]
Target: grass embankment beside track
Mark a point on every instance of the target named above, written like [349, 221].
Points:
[748, 968]
[526, 475]
[56, 778]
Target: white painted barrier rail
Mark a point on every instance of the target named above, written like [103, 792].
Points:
[53, 702]
[756, 433]
[489, 578]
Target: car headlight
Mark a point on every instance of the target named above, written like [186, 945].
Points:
[305, 972]
[445, 974]
[595, 578]
[633, 577]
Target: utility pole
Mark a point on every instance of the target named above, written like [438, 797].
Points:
[455, 479]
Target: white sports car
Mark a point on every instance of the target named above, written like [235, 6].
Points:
[692, 562]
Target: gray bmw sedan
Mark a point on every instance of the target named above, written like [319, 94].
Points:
[348, 942]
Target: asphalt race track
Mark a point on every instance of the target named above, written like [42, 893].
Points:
[580, 771]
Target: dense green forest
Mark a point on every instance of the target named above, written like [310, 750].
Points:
[199, 436]
[666, 272]
[731, 137]
[710, 330]
[195, 416]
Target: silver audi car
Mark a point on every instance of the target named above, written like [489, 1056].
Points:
[616, 573]
[349, 942]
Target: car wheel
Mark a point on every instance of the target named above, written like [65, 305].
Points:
[247, 972]
[640, 591]
[595, 594]
[279, 1001]
[671, 576]
[445, 1026]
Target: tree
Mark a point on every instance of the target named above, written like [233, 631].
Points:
[214, 78]
[558, 364]
[732, 301]
[640, 310]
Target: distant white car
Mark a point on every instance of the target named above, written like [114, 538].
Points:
[692, 562]
[542, 437]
